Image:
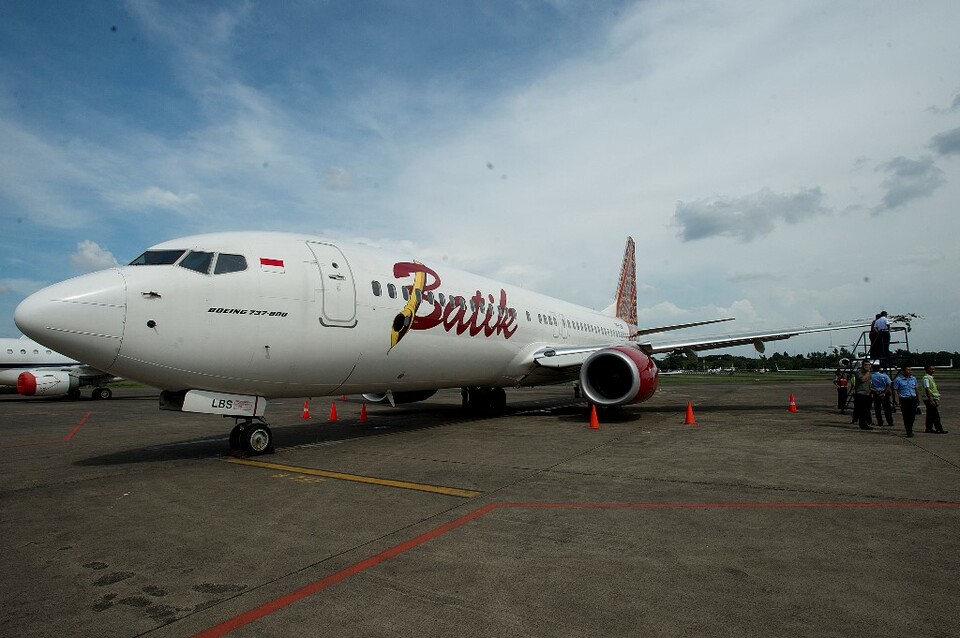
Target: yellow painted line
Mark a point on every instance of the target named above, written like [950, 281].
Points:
[436, 489]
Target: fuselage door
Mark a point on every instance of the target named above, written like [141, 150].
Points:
[337, 289]
[563, 327]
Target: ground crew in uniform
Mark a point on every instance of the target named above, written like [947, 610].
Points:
[880, 390]
[861, 396]
[905, 397]
[931, 399]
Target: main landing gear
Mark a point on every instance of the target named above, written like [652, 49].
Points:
[252, 436]
[491, 400]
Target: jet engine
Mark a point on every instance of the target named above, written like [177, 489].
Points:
[617, 376]
[401, 397]
[49, 384]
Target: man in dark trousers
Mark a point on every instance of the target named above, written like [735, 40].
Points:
[905, 397]
[861, 395]
[880, 390]
[931, 399]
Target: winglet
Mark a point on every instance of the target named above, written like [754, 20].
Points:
[626, 303]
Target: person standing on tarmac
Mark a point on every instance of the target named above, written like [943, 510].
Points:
[840, 381]
[880, 391]
[905, 397]
[931, 399]
[861, 396]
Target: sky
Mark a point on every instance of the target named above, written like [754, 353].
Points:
[786, 163]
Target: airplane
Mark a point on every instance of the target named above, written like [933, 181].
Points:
[35, 370]
[221, 323]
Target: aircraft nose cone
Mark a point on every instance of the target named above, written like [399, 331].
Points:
[82, 317]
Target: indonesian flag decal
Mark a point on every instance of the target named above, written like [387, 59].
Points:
[271, 265]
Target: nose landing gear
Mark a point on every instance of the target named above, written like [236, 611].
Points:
[252, 436]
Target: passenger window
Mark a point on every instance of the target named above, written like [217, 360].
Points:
[9, 350]
[197, 261]
[157, 258]
[428, 296]
[376, 288]
[442, 299]
[229, 263]
[406, 293]
[419, 294]
[391, 291]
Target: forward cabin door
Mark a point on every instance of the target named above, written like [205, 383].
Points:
[337, 287]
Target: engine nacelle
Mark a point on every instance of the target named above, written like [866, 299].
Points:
[401, 397]
[47, 384]
[618, 375]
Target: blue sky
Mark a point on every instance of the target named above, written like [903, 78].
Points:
[787, 163]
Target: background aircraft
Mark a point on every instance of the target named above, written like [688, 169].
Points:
[223, 322]
[36, 370]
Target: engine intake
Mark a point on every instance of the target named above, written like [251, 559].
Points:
[618, 375]
[49, 384]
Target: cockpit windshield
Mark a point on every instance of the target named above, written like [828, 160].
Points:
[157, 258]
[195, 260]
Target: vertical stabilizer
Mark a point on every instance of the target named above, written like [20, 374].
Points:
[626, 304]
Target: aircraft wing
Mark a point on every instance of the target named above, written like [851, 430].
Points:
[561, 357]
[676, 326]
[756, 339]
[89, 375]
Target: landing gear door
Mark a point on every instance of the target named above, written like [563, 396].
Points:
[337, 290]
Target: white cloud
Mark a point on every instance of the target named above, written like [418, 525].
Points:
[89, 257]
[338, 178]
[156, 197]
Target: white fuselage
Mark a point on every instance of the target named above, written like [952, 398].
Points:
[305, 317]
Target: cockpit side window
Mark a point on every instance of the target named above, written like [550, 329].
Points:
[229, 263]
[157, 258]
[198, 261]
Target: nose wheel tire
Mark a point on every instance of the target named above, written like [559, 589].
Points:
[255, 438]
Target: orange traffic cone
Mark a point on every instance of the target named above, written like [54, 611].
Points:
[306, 411]
[793, 405]
[333, 411]
[594, 422]
[363, 413]
[689, 420]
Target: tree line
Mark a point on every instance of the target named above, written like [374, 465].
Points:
[786, 361]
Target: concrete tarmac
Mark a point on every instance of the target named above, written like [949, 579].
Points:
[121, 520]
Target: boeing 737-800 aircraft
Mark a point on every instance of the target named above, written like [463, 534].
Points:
[223, 322]
[35, 370]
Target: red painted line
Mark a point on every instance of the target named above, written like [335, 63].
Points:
[77, 427]
[662, 506]
[317, 586]
[269, 607]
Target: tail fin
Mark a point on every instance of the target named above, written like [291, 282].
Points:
[626, 303]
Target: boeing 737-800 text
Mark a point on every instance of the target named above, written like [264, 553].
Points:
[223, 322]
